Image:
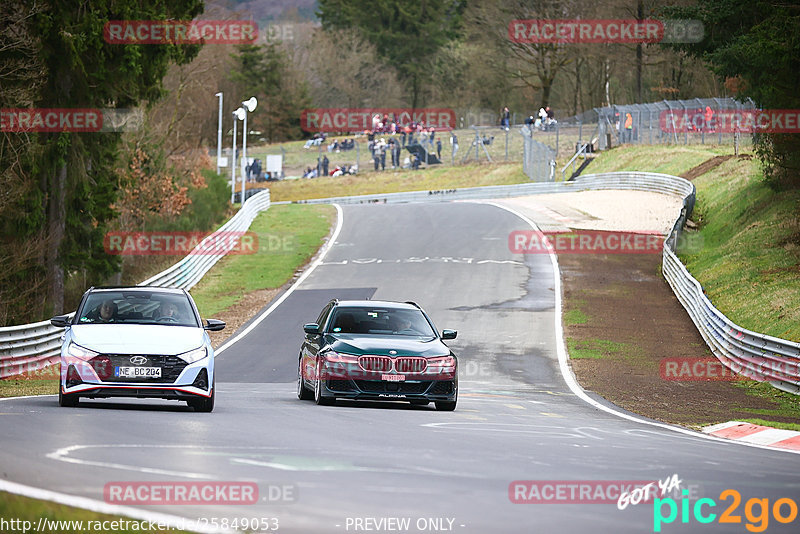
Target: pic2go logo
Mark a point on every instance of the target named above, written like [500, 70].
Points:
[756, 511]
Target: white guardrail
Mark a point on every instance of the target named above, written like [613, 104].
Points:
[757, 356]
[33, 346]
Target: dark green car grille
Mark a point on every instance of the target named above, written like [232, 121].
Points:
[379, 386]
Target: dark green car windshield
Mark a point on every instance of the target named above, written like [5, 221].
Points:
[380, 321]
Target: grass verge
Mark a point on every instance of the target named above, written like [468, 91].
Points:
[288, 236]
[673, 160]
[28, 512]
[594, 348]
[787, 404]
[750, 256]
[27, 384]
[431, 179]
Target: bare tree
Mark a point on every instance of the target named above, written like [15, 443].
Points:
[532, 65]
[344, 71]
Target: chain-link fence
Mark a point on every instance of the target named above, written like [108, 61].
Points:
[680, 122]
[538, 159]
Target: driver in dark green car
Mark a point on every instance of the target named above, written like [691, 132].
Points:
[402, 325]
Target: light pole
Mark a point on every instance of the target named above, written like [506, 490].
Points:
[249, 105]
[219, 132]
[237, 115]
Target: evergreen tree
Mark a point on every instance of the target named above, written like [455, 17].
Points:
[75, 184]
[408, 34]
[755, 47]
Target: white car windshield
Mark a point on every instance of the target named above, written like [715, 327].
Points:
[137, 307]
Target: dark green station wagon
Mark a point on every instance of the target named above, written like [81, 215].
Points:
[377, 350]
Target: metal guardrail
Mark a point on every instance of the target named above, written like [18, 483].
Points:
[34, 346]
[581, 150]
[187, 272]
[643, 181]
[757, 356]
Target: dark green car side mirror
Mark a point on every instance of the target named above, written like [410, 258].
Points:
[449, 334]
[311, 328]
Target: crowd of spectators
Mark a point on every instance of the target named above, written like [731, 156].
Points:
[344, 145]
[544, 121]
[316, 140]
[386, 140]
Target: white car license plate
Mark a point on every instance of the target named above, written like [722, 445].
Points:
[393, 378]
[137, 372]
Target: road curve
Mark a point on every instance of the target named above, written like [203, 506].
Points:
[357, 463]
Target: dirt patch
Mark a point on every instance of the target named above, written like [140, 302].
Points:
[704, 167]
[630, 308]
[241, 312]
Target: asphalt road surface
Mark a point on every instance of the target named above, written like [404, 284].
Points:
[383, 467]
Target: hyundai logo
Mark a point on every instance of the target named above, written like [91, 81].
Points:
[138, 360]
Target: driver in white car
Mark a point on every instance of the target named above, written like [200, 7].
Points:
[169, 310]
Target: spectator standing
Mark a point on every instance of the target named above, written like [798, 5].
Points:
[383, 154]
[391, 147]
[505, 121]
[628, 127]
[439, 148]
[376, 154]
[397, 150]
[325, 162]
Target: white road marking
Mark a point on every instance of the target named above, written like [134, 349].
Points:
[63, 455]
[569, 377]
[174, 521]
[306, 274]
[442, 259]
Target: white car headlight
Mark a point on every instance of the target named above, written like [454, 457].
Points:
[81, 353]
[194, 355]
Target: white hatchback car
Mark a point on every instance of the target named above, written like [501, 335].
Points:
[144, 342]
